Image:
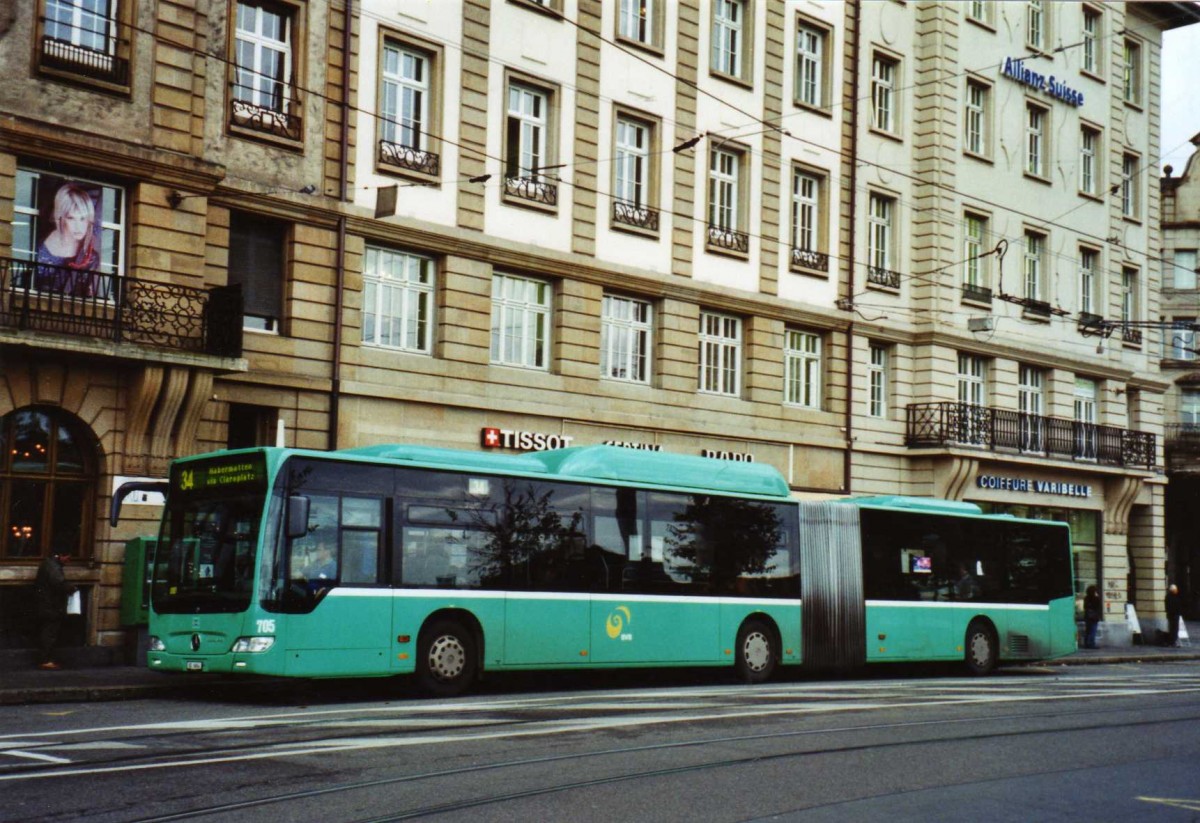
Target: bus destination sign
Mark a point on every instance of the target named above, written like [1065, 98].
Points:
[222, 474]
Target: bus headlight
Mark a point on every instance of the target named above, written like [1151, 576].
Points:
[156, 645]
[253, 644]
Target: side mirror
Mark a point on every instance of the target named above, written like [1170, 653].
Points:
[297, 516]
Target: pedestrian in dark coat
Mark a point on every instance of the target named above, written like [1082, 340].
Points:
[51, 590]
[1093, 613]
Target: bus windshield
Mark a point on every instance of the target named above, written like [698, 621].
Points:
[205, 557]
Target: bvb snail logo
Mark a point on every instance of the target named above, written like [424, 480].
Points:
[617, 620]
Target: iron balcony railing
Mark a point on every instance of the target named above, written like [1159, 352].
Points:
[276, 119]
[963, 424]
[724, 238]
[61, 300]
[406, 157]
[1132, 336]
[1183, 436]
[809, 259]
[534, 189]
[81, 61]
[883, 277]
[632, 214]
[979, 294]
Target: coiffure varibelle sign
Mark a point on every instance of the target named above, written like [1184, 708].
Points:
[1030, 486]
[1016, 69]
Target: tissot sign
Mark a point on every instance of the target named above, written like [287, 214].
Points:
[1017, 70]
[1025, 484]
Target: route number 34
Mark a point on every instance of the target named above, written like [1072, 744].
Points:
[266, 627]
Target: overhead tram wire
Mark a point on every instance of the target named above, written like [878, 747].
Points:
[232, 63]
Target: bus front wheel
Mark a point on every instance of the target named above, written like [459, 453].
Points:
[757, 655]
[447, 661]
[981, 648]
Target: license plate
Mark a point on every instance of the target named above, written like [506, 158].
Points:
[195, 665]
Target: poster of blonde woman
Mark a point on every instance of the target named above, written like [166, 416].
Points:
[68, 255]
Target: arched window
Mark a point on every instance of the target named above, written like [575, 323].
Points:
[47, 483]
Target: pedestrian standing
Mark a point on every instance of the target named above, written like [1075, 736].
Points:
[1093, 612]
[51, 590]
[1173, 605]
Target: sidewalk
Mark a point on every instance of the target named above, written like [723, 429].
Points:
[93, 683]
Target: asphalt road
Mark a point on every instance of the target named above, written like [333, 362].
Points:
[1055, 743]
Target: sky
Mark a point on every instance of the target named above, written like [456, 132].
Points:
[1180, 95]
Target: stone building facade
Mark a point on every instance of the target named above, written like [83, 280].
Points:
[856, 241]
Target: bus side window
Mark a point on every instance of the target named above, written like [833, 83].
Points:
[362, 539]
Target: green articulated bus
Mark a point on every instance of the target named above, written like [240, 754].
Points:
[441, 563]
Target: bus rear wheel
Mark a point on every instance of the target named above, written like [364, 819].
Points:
[757, 652]
[981, 646]
[447, 661]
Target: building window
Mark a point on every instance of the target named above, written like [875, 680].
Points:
[1189, 409]
[980, 11]
[398, 300]
[528, 146]
[625, 339]
[973, 425]
[1184, 265]
[82, 39]
[520, 321]
[877, 380]
[264, 70]
[1180, 342]
[633, 174]
[73, 229]
[720, 354]
[728, 41]
[880, 238]
[1089, 150]
[404, 109]
[636, 21]
[1035, 251]
[48, 476]
[975, 268]
[1088, 266]
[1129, 294]
[977, 118]
[810, 65]
[1035, 140]
[1130, 199]
[802, 369]
[251, 426]
[1035, 25]
[725, 214]
[1085, 418]
[884, 71]
[1131, 88]
[256, 261]
[807, 221]
[1093, 40]
[1029, 404]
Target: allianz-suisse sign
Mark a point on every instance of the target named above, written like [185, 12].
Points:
[1017, 70]
[1025, 484]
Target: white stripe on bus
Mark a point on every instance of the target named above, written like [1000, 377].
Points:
[975, 605]
[475, 594]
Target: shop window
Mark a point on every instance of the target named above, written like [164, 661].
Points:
[48, 476]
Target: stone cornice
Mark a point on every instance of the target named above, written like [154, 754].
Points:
[37, 141]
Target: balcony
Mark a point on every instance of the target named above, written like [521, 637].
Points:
[808, 259]
[976, 294]
[631, 214]
[932, 425]
[274, 120]
[720, 237]
[533, 189]
[407, 158]
[1132, 336]
[83, 62]
[883, 277]
[60, 300]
